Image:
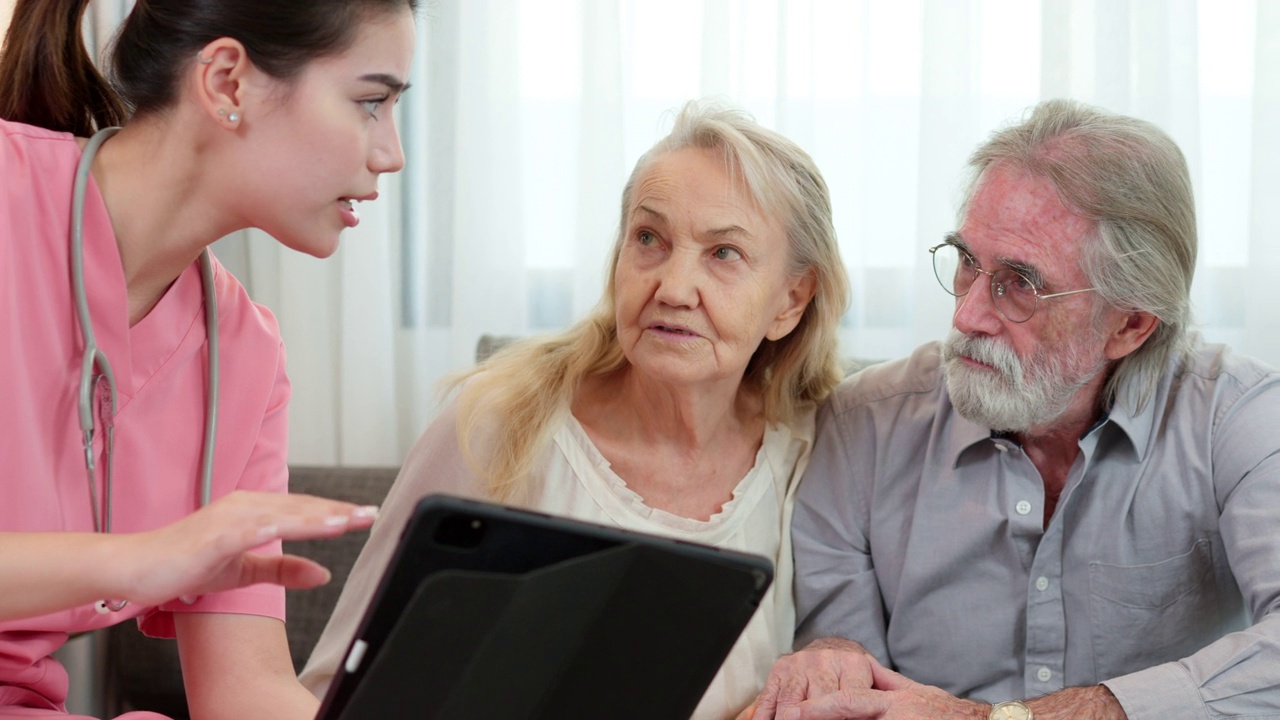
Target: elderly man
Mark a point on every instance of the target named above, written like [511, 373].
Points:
[1070, 508]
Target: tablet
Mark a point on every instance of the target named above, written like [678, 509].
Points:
[486, 611]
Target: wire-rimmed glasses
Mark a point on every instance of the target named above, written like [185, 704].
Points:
[1014, 296]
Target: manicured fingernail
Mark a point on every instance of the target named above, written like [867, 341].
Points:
[269, 531]
[365, 511]
[336, 520]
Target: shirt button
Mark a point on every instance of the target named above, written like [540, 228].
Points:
[1023, 507]
[1043, 674]
[1042, 583]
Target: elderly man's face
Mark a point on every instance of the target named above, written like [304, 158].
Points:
[1021, 377]
[702, 276]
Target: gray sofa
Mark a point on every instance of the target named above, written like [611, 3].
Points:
[141, 673]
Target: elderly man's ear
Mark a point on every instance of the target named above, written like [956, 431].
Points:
[799, 294]
[1130, 333]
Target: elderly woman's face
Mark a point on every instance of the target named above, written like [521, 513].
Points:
[703, 276]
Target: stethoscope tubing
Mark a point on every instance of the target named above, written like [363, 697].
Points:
[95, 368]
[93, 356]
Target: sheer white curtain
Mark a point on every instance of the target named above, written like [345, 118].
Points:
[527, 115]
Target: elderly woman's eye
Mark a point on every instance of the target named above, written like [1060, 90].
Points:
[646, 238]
[724, 252]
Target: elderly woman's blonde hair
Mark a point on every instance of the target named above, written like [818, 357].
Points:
[521, 394]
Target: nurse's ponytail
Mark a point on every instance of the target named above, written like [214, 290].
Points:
[48, 79]
[46, 76]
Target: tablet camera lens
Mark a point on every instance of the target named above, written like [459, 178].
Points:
[460, 531]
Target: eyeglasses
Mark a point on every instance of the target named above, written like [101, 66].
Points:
[1012, 293]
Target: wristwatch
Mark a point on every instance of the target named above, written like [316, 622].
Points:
[1011, 710]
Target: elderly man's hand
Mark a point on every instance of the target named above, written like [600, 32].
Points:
[892, 697]
[826, 666]
[834, 679]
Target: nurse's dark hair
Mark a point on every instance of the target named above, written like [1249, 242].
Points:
[47, 78]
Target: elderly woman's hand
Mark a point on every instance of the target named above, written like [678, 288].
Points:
[825, 666]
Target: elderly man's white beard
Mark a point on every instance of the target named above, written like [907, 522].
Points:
[1013, 398]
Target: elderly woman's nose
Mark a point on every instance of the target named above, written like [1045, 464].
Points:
[678, 280]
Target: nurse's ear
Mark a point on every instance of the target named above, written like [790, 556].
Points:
[223, 78]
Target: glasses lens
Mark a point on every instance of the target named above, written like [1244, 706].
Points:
[1014, 295]
[953, 268]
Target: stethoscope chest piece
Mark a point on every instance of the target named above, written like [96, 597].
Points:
[109, 606]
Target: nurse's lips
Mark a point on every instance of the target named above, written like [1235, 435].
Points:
[350, 217]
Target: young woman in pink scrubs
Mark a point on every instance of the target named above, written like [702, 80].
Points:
[241, 113]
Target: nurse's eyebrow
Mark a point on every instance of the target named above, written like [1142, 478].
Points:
[393, 83]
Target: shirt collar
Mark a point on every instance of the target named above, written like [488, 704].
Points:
[1137, 426]
[965, 433]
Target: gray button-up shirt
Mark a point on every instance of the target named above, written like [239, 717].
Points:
[920, 535]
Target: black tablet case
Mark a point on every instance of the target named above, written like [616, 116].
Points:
[490, 612]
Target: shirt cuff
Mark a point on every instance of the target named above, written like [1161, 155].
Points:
[1163, 692]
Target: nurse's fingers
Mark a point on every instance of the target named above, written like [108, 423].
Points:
[290, 571]
[244, 520]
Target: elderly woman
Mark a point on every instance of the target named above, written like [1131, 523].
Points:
[683, 406]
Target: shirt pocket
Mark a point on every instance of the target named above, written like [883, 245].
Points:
[1144, 615]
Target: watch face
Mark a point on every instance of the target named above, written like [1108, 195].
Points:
[1011, 711]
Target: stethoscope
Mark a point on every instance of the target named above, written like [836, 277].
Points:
[105, 380]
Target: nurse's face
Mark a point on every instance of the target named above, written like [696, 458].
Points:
[324, 138]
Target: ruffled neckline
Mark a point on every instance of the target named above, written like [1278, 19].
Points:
[746, 492]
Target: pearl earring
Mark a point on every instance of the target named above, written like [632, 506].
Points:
[234, 117]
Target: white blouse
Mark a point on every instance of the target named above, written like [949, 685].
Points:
[578, 482]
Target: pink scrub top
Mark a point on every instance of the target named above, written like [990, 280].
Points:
[160, 367]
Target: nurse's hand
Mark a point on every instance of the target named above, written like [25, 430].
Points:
[210, 550]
